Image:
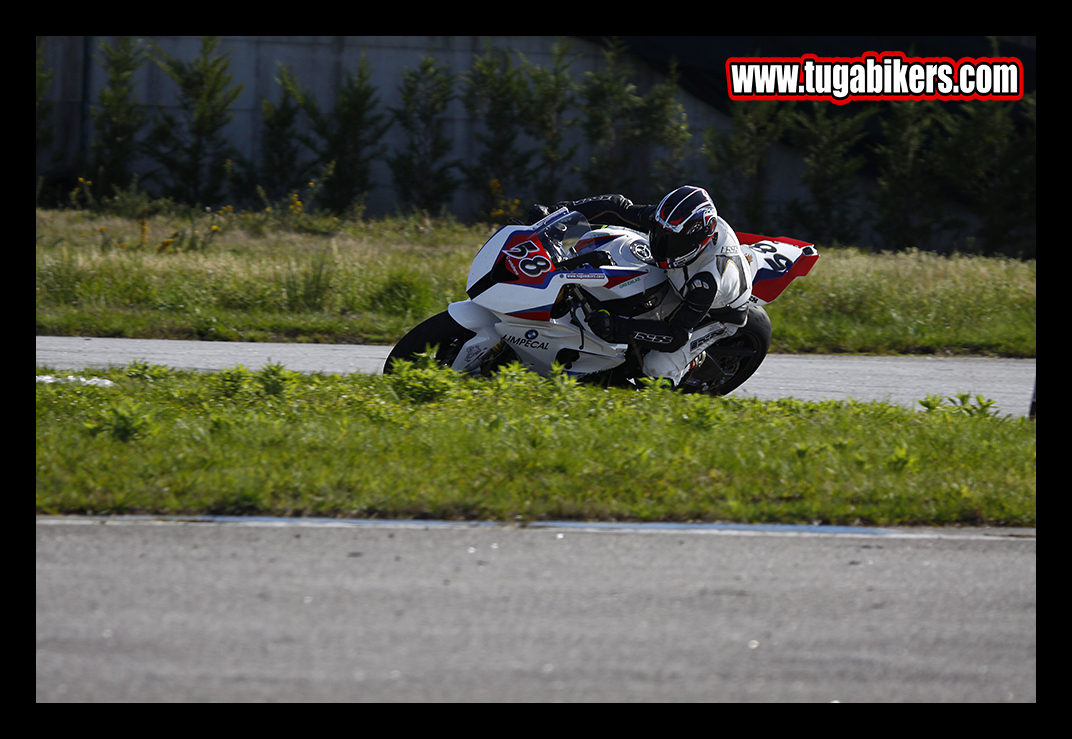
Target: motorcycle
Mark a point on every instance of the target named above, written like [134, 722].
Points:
[532, 287]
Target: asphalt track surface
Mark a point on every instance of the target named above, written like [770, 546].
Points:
[219, 610]
[168, 611]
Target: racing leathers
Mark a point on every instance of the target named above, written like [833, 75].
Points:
[715, 290]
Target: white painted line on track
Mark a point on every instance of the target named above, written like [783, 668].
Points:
[726, 529]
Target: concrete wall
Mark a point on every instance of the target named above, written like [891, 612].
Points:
[320, 63]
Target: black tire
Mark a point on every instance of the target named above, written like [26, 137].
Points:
[754, 335]
[440, 331]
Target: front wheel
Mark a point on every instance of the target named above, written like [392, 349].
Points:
[724, 374]
[440, 332]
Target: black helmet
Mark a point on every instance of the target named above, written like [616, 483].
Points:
[684, 224]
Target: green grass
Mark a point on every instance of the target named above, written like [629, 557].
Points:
[256, 279]
[909, 303]
[426, 443]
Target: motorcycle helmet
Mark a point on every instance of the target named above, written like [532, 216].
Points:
[683, 225]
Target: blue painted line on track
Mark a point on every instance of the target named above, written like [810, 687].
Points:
[756, 527]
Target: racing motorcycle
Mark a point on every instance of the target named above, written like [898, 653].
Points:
[532, 287]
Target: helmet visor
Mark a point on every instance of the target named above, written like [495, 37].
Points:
[672, 250]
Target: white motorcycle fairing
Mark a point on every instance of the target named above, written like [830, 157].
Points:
[531, 287]
[517, 288]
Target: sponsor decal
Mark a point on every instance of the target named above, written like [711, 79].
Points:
[777, 261]
[705, 340]
[528, 341]
[472, 353]
[652, 338]
[526, 258]
[618, 277]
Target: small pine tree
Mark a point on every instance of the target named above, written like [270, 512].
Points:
[906, 204]
[828, 142]
[627, 131]
[609, 101]
[663, 127]
[736, 161]
[191, 148]
[422, 179]
[119, 118]
[281, 167]
[988, 158]
[347, 138]
[986, 153]
[494, 93]
[553, 94]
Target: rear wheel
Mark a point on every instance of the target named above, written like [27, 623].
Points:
[440, 332]
[724, 374]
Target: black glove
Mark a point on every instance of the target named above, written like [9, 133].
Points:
[537, 212]
[605, 326]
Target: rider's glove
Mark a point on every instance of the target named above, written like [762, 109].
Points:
[537, 212]
[605, 326]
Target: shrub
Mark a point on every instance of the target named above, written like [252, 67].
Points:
[737, 161]
[495, 93]
[627, 131]
[348, 138]
[402, 293]
[422, 179]
[120, 117]
[191, 148]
